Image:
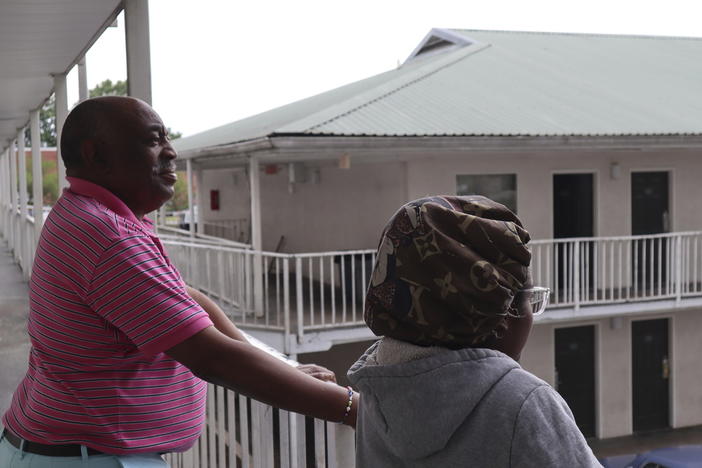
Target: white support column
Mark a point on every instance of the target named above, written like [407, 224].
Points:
[191, 202]
[6, 213]
[82, 81]
[61, 114]
[22, 240]
[256, 242]
[37, 175]
[136, 21]
[3, 190]
[255, 188]
[13, 198]
[3, 194]
[200, 202]
[4, 181]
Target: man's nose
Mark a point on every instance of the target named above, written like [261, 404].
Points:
[168, 151]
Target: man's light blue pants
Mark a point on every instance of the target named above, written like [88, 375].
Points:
[11, 457]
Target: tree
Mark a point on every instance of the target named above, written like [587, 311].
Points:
[108, 88]
[47, 115]
[47, 124]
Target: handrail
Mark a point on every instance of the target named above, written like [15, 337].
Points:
[177, 232]
[242, 431]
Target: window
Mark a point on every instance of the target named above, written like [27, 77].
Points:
[499, 187]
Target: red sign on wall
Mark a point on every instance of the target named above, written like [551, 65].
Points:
[214, 200]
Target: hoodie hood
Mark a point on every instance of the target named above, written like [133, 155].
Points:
[426, 399]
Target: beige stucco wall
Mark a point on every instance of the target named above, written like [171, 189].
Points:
[335, 209]
[346, 209]
[613, 372]
[534, 183]
[613, 377]
[537, 356]
[612, 369]
[686, 368]
[234, 195]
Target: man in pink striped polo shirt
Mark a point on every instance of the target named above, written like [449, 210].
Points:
[120, 344]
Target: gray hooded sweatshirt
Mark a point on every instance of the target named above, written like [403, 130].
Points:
[465, 408]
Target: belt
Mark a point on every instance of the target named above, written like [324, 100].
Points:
[65, 450]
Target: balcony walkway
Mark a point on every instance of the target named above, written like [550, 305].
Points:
[14, 349]
[14, 342]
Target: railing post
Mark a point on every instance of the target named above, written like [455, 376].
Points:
[298, 289]
[61, 104]
[286, 304]
[37, 176]
[678, 268]
[576, 275]
[23, 240]
[12, 240]
[191, 199]
[345, 446]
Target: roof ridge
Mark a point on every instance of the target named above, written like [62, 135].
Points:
[466, 53]
[565, 33]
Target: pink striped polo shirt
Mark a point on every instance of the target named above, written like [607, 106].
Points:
[105, 303]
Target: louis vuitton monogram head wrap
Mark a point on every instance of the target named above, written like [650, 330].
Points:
[446, 272]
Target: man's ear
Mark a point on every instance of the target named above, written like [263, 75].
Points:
[87, 152]
[90, 155]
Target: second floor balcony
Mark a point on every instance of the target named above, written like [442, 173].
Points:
[305, 302]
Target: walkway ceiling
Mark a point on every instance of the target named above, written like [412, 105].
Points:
[38, 39]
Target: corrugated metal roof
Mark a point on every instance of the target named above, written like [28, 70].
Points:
[507, 83]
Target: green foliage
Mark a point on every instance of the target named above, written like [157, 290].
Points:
[49, 181]
[179, 201]
[47, 124]
[172, 134]
[108, 88]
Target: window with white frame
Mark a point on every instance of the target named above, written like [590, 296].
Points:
[499, 187]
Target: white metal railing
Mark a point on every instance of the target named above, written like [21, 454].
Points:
[293, 293]
[303, 292]
[234, 229]
[171, 232]
[20, 236]
[609, 270]
[242, 432]
[331, 288]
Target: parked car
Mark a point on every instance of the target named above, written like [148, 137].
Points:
[687, 456]
[618, 461]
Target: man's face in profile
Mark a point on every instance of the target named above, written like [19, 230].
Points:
[139, 159]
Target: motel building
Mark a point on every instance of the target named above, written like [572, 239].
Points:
[593, 140]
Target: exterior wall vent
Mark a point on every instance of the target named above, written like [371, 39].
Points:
[438, 41]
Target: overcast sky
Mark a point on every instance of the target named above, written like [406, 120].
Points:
[217, 61]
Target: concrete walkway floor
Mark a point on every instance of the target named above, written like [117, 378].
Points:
[639, 443]
[14, 342]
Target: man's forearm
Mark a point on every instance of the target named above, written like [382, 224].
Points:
[246, 369]
[217, 315]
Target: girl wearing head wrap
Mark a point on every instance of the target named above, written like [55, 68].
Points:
[452, 299]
